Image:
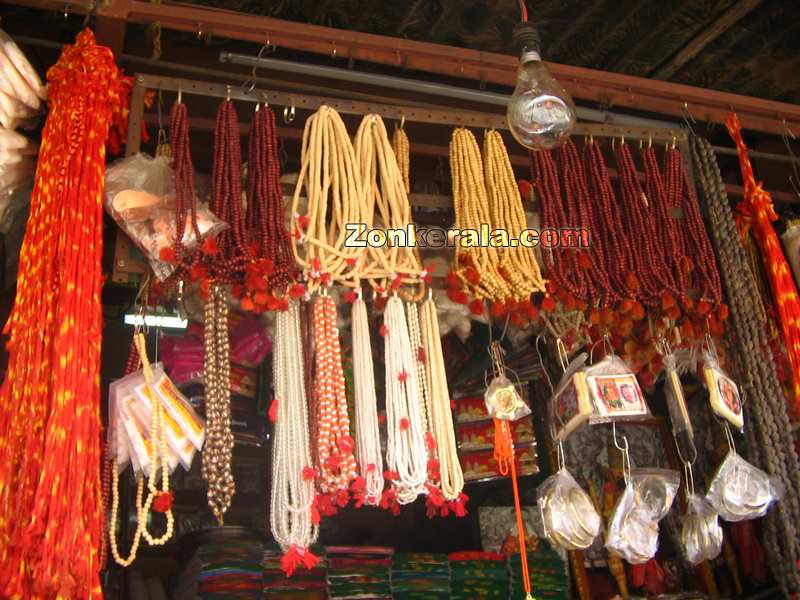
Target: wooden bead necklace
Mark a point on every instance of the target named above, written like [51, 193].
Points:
[218, 447]
[402, 151]
[159, 461]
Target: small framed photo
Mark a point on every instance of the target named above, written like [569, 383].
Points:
[616, 395]
[723, 394]
[571, 406]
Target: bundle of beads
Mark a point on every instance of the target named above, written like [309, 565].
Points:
[218, 448]
[402, 152]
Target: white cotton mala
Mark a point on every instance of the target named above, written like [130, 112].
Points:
[292, 494]
[451, 476]
[368, 441]
[405, 453]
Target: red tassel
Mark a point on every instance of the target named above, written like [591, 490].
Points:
[302, 221]
[383, 330]
[422, 356]
[350, 296]
[163, 501]
[210, 247]
[167, 255]
[297, 291]
[273, 410]
[584, 261]
[472, 276]
[548, 304]
[404, 424]
[351, 262]
[498, 308]
[430, 441]
[308, 473]
[476, 307]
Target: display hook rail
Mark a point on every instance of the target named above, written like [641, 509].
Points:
[459, 118]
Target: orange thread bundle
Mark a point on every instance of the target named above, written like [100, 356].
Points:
[50, 498]
[757, 207]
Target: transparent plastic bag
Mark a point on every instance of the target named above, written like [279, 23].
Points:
[614, 391]
[569, 518]
[648, 496]
[723, 393]
[570, 406]
[140, 196]
[740, 491]
[503, 400]
[701, 534]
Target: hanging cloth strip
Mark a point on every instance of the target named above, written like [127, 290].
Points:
[757, 206]
[50, 496]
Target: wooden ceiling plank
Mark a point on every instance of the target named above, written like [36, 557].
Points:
[727, 20]
[592, 85]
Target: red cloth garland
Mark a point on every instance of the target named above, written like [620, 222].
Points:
[50, 493]
[757, 207]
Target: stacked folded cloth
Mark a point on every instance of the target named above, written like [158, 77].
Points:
[359, 573]
[548, 573]
[478, 575]
[230, 569]
[304, 584]
[420, 576]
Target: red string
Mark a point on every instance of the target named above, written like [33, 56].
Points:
[523, 10]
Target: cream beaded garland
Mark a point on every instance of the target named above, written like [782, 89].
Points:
[451, 477]
[405, 453]
[159, 461]
[368, 441]
[292, 493]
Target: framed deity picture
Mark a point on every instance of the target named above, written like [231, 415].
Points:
[616, 395]
[723, 394]
[571, 406]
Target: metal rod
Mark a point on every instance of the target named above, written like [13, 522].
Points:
[426, 87]
[756, 154]
[439, 116]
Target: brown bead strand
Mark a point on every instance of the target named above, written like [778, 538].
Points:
[672, 192]
[608, 225]
[226, 198]
[654, 275]
[185, 197]
[698, 244]
[266, 225]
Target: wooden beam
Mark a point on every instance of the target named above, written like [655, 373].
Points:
[727, 20]
[587, 84]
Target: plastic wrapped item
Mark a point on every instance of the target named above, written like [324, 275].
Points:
[741, 491]
[569, 518]
[614, 391]
[16, 174]
[12, 141]
[633, 531]
[130, 410]
[140, 195]
[570, 405]
[676, 403]
[503, 400]
[723, 393]
[701, 534]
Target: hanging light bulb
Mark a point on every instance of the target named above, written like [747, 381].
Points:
[541, 114]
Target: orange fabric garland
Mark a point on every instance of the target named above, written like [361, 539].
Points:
[758, 209]
[50, 497]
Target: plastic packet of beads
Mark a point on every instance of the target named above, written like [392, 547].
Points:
[569, 518]
[116, 437]
[140, 196]
[176, 439]
[676, 404]
[740, 491]
[723, 393]
[701, 534]
[570, 406]
[503, 400]
[138, 417]
[178, 408]
[614, 391]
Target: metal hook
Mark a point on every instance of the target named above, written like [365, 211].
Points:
[199, 31]
[333, 52]
[228, 93]
[66, 11]
[626, 456]
[729, 437]
[180, 93]
[541, 364]
[402, 122]
[288, 114]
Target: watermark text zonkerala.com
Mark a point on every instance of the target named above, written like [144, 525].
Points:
[359, 235]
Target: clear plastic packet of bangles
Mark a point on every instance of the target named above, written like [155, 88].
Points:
[740, 491]
[723, 393]
[614, 391]
[570, 405]
[569, 518]
[701, 534]
[140, 196]
[633, 531]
